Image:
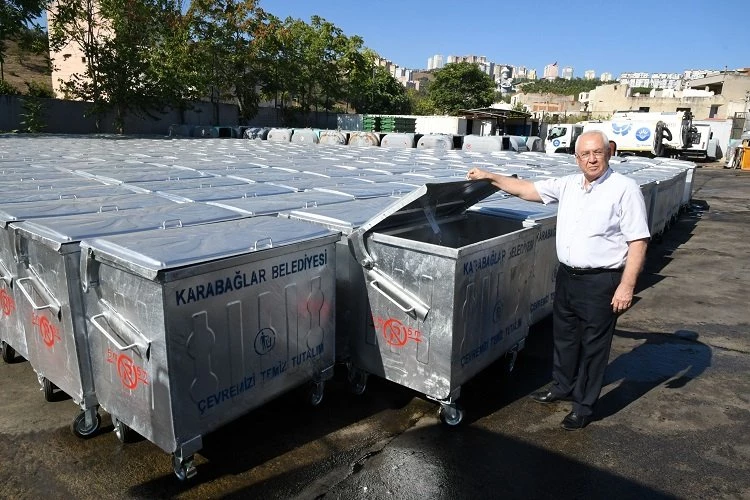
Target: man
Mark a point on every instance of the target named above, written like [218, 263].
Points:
[602, 235]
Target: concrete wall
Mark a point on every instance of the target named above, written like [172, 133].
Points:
[606, 99]
[73, 117]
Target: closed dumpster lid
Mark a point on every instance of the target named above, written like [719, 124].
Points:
[267, 205]
[344, 217]
[72, 206]
[427, 203]
[58, 231]
[151, 251]
[63, 193]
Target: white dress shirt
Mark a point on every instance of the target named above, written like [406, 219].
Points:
[595, 224]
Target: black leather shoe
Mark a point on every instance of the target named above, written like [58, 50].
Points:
[548, 397]
[573, 421]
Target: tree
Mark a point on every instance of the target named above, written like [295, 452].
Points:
[560, 86]
[420, 102]
[461, 86]
[15, 18]
[372, 89]
[223, 32]
[119, 40]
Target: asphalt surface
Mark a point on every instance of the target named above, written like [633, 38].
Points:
[672, 422]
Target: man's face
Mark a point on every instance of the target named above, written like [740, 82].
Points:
[592, 156]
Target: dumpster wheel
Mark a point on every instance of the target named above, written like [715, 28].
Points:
[122, 431]
[184, 468]
[315, 392]
[357, 381]
[8, 352]
[49, 389]
[79, 425]
[451, 414]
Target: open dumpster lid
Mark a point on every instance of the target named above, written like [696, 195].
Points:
[425, 204]
[151, 251]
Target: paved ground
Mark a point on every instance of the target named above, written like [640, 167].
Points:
[672, 422]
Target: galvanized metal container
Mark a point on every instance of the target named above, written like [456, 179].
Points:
[12, 337]
[353, 315]
[48, 296]
[191, 328]
[545, 263]
[448, 290]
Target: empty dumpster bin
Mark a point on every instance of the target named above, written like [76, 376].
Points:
[48, 294]
[545, 263]
[189, 329]
[448, 290]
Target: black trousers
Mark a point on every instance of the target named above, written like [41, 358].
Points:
[583, 325]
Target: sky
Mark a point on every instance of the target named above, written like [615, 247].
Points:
[616, 36]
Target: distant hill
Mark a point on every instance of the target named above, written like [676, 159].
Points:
[21, 67]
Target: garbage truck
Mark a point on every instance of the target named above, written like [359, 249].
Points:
[705, 147]
[633, 133]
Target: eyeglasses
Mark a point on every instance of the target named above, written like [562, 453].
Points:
[588, 154]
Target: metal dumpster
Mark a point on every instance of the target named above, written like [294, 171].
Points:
[352, 308]
[12, 338]
[189, 329]
[448, 290]
[545, 263]
[48, 297]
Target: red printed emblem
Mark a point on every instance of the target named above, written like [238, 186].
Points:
[130, 374]
[395, 333]
[7, 304]
[48, 331]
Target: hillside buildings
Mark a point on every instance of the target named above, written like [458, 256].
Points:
[551, 71]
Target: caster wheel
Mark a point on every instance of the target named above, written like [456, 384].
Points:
[451, 415]
[315, 393]
[80, 427]
[184, 469]
[9, 353]
[357, 381]
[122, 431]
[49, 389]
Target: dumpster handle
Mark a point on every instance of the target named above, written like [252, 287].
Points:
[6, 276]
[178, 223]
[397, 296]
[113, 208]
[269, 245]
[54, 307]
[114, 341]
[408, 310]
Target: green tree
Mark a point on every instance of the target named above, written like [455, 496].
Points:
[560, 86]
[420, 102]
[461, 86]
[223, 32]
[15, 18]
[381, 94]
[119, 40]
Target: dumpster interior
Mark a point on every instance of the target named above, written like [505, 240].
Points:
[460, 231]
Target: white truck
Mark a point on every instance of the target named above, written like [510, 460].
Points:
[633, 132]
[705, 147]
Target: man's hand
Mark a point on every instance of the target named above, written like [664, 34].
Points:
[477, 174]
[623, 298]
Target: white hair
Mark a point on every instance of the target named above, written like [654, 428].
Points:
[601, 135]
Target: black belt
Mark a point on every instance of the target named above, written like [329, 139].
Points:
[588, 270]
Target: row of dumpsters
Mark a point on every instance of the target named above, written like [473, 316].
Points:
[393, 140]
[179, 284]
